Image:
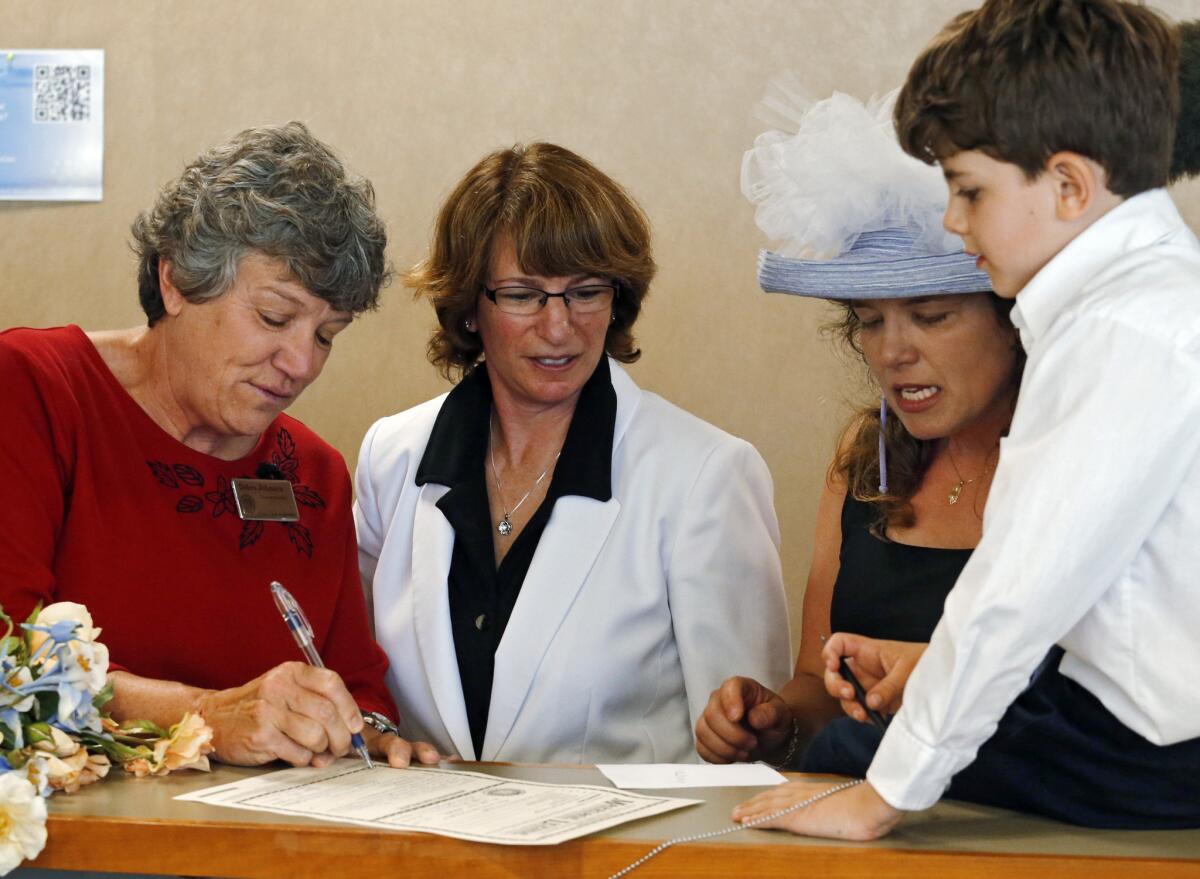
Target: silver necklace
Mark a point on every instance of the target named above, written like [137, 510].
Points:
[505, 527]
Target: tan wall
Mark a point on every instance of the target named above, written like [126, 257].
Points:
[659, 93]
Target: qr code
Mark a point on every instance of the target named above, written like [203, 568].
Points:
[62, 93]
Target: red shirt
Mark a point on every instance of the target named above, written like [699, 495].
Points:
[100, 506]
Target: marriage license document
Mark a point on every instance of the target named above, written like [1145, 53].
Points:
[449, 802]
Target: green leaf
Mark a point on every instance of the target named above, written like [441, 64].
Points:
[45, 704]
[32, 618]
[104, 696]
[8, 624]
[95, 742]
[144, 728]
[23, 653]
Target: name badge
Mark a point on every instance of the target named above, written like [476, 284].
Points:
[265, 500]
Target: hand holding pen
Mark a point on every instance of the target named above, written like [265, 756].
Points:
[298, 625]
[399, 751]
[873, 687]
[876, 719]
[292, 712]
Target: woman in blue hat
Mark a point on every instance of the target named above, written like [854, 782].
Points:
[902, 506]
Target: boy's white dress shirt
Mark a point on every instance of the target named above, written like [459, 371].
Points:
[1091, 534]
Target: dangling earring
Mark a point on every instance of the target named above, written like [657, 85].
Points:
[469, 325]
[883, 476]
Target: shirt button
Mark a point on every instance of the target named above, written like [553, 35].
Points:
[483, 622]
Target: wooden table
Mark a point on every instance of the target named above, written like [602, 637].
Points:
[134, 825]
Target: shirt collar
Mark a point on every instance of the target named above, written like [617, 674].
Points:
[1140, 221]
[459, 439]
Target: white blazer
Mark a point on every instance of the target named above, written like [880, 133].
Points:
[632, 610]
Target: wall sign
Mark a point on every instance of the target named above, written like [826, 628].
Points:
[51, 124]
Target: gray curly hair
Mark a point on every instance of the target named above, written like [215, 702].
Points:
[276, 190]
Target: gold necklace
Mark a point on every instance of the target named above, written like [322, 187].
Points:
[952, 498]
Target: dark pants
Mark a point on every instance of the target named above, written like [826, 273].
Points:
[1057, 752]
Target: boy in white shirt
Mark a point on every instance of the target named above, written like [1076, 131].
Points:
[1060, 679]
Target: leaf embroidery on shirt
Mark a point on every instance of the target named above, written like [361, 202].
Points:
[305, 496]
[163, 474]
[177, 476]
[285, 459]
[287, 445]
[288, 467]
[189, 503]
[300, 537]
[251, 531]
[188, 475]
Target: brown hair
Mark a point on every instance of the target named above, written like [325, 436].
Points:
[1185, 158]
[564, 216]
[1023, 79]
[857, 459]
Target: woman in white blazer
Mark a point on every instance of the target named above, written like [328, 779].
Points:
[560, 565]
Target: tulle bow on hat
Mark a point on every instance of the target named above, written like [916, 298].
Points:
[852, 216]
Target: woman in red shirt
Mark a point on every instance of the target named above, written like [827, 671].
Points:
[123, 450]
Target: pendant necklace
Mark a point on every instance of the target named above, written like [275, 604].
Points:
[956, 491]
[505, 527]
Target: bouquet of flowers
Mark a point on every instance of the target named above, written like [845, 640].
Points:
[54, 734]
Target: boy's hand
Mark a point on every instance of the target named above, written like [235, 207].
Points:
[857, 813]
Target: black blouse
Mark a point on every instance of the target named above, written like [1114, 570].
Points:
[886, 589]
[481, 595]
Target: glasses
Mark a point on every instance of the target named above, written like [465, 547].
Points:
[585, 299]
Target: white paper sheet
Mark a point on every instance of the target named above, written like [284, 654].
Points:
[464, 805]
[660, 776]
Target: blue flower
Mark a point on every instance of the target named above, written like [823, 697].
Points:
[11, 718]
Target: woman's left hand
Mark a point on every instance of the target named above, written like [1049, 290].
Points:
[858, 813]
[882, 667]
[400, 753]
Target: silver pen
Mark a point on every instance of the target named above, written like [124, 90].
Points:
[298, 625]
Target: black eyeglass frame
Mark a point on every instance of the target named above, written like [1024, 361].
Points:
[490, 293]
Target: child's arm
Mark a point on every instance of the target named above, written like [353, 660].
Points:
[1104, 434]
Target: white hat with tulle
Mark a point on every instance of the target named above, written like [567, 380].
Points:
[852, 216]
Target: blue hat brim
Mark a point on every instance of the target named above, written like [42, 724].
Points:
[872, 272]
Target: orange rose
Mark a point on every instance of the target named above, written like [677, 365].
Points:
[187, 748]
